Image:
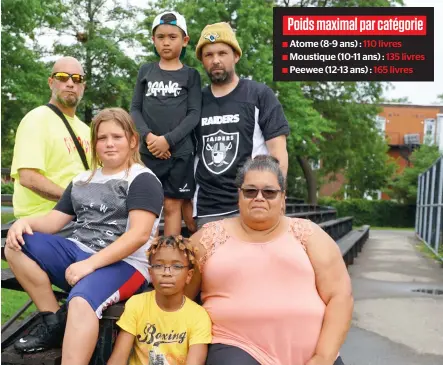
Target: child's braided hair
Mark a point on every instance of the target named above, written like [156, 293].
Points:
[179, 242]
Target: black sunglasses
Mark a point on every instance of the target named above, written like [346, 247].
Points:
[268, 194]
[64, 77]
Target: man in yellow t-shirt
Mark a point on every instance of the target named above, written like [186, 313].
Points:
[163, 327]
[45, 157]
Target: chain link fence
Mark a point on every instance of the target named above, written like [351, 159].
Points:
[429, 214]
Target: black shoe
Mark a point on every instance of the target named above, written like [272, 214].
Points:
[45, 335]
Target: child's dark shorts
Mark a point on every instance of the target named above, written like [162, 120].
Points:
[176, 174]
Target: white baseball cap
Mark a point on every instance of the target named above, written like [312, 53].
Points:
[170, 17]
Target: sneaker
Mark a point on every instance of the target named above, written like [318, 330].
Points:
[48, 333]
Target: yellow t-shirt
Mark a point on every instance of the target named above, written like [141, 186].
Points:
[42, 142]
[163, 337]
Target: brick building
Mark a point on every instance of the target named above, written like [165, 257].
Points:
[405, 126]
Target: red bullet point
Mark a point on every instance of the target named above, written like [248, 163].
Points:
[284, 44]
[284, 57]
[284, 70]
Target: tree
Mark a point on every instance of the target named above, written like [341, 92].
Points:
[371, 170]
[24, 76]
[404, 185]
[101, 32]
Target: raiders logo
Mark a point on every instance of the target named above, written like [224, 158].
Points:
[211, 37]
[219, 150]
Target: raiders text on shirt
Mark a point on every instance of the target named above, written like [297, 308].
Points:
[221, 119]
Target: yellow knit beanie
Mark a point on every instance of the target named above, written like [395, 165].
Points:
[217, 33]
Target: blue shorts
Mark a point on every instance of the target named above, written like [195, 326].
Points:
[102, 288]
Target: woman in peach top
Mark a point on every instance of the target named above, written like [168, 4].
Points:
[276, 288]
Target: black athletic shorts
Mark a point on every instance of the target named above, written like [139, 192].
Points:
[176, 174]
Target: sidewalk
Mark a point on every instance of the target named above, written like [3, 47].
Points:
[392, 325]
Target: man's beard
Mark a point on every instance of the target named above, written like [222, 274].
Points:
[71, 101]
[221, 78]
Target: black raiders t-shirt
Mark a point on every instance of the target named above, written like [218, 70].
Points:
[167, 103]
[232, 129]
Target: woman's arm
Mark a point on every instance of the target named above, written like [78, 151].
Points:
[122, 349]
[197, 354]
[193, 288]
[334, 287]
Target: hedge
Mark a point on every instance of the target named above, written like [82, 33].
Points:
[7, 188]
[377, 213]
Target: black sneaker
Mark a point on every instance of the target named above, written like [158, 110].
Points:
[45, 335]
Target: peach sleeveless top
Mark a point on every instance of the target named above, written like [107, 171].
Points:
[262, 297]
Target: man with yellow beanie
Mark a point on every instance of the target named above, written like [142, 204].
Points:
[240, 118]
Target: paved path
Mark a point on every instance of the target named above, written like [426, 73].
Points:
[392, 325]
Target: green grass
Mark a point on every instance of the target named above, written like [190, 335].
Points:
[7, 217]
[422, 247]
[13, 300]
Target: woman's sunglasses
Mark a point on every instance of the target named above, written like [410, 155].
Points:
[268, 194]
[64, 77]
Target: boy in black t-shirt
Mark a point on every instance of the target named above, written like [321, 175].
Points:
[166, 108]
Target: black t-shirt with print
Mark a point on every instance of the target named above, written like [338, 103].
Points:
[232, 129]
[167, 103]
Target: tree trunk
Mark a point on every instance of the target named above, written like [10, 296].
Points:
[311, 180]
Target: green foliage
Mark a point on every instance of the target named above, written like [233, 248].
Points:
[8, 188]
[403, 186]
[354, 147]
[350, 109]
[103, 30]
[24, 76]
[370, 170]
[380, 213]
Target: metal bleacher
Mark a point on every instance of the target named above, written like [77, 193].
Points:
[349, 241]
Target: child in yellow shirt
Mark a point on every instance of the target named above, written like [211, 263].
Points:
[163, 327]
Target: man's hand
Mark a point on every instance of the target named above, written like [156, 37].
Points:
[14, 239]
[78, 271]
[320, 360]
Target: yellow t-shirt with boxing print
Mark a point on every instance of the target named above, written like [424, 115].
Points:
[163, 337]
[43, 143]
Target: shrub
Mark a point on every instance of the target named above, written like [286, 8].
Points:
[377, 213]
[8, 188]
